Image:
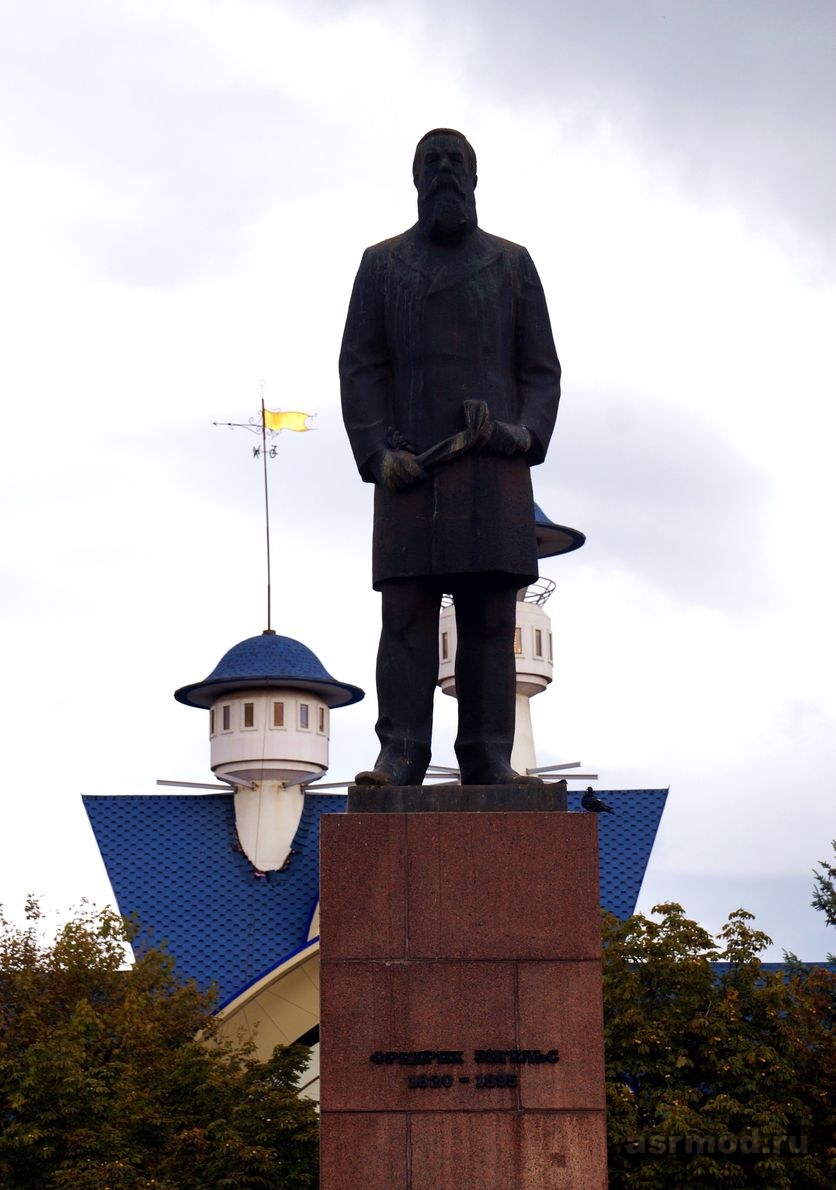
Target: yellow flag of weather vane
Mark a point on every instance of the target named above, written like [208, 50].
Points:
[283, 419]
[272, 422]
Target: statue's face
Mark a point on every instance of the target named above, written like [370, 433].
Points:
[444, 165]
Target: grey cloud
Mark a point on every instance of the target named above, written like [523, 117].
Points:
[204, 179]
[738, 99]
[178, 163]
[314, 486]
[661, 495]
[780, 903]
[741, 97]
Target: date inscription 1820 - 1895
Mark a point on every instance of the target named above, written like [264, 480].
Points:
[483, 1080]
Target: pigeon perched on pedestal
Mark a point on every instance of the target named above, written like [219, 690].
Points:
[590, 801]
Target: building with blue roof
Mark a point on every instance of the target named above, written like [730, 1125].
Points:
[175, 861]
[229, 879]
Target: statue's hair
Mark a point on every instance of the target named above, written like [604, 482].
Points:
[471, 156]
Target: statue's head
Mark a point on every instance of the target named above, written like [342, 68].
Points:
[444, 138]
[444, 172]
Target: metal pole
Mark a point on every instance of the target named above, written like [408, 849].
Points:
[266, 505]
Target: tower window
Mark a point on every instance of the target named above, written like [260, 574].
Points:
[211, 721]
[322, 720]
[249, 714]
[445, 646]
[304, 716]
[278, 714]
[225, 717]
[518, 641]
[538, 642]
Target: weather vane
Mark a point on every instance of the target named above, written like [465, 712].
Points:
[271, 422]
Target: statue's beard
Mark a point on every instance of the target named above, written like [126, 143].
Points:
[445, 211]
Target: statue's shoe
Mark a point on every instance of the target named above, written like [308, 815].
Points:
[527, 779]
[373, 777]
[388, 771]
[499, 775]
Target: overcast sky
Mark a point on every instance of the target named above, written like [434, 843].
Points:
[187, 188]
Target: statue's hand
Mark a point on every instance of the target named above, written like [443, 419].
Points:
[399, 469]
[508, 439]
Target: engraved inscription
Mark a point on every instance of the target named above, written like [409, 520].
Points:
[420, 1082]
[496, 1080]
[418, 1057]
[440, 1080]
[515, 1057]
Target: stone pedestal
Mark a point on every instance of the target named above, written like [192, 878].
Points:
[461, 1018]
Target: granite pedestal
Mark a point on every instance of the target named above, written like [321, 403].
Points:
[461, 1018]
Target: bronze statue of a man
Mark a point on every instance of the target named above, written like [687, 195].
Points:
[450, 385]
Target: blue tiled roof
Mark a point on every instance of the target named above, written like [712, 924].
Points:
[775, 968]
[625, 840]
[269, 660]
[174, 861]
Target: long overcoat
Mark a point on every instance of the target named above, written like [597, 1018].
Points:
[426, 331]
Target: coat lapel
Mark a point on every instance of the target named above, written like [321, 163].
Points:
[480, 251]
[410, 251]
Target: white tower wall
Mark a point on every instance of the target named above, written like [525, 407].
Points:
[269, 735]
[274, 741]
[533, 651]
[523, 755]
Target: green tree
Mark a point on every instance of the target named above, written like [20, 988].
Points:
[114, 1077]
[824, 890]
[715, 1077]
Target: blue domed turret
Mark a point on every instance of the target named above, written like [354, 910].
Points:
[268, 661]
[554, 539]
[269, 701]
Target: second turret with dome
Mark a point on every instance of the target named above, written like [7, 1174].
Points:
[269, 700]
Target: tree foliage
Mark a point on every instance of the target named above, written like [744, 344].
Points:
[715, 1077]
[113, 1077]
[824, 889]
